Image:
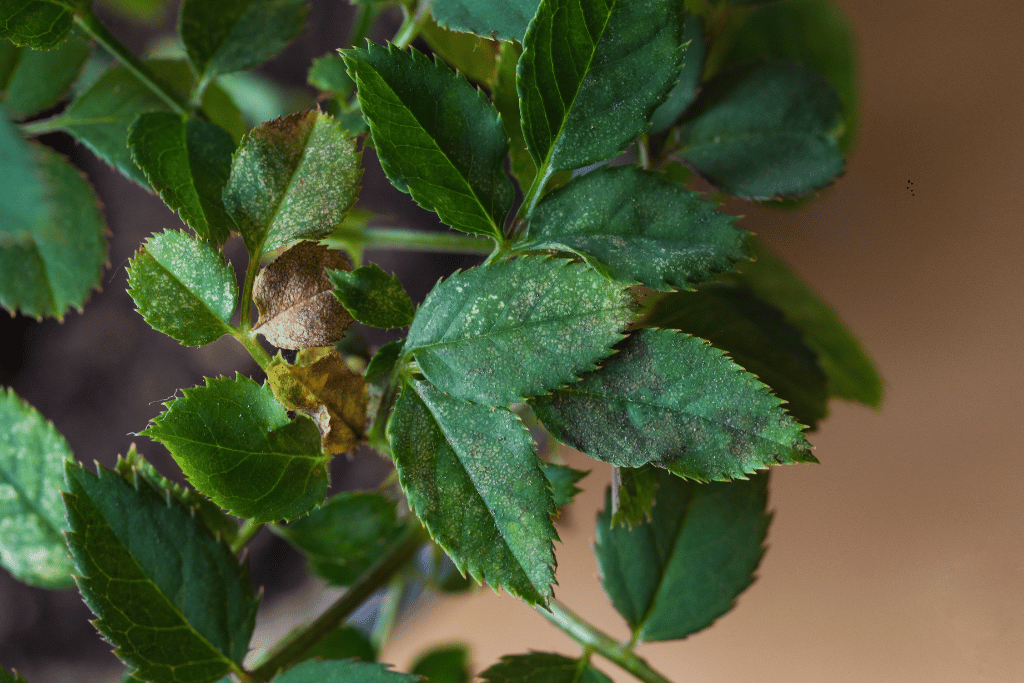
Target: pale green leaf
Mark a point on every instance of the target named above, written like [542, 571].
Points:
[499, 333]
[473, 56]
[674, 401]
[235, 443]
[472, 476]
[32, 455]
[675, 574]
[373, 297]
[328, 74]
[35, 23]
[40, 78]
[501, 19]
[183, 287]
[169, 595]
[542, 667]
[342, 671]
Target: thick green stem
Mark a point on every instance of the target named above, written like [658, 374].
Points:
[246, 533]
[414, 240]
[597, 641]
[413, 24]
[253, 346]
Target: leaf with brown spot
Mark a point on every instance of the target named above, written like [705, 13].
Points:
[293, 295]
[321, 385]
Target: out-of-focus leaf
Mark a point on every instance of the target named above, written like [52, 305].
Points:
[10, 677]
[40, 78]
[38, 24]
[344, 642]
[501, 19]
[373, 297]
[542, 667]
[444, 665]
[470, 55]
[328, 74]
[684, 92]
[343, 671]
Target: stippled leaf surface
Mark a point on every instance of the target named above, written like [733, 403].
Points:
[342, 671]
[373, 297]
[187, 163]
[40, 77]
[170, 596]
[542, 667]
[444, 665]
[674, 401]
[437, 137]
[235, 443]
[637, 486]
[472, 476]
[675, 574]
[500, 333]
[638, 228]
[32, 455]
[183, 287]
[684, 92]
[563, 480]
[35, 23]
[52, 237]
[292, 178]
[501, 19]
[765, 130]
[591, 74]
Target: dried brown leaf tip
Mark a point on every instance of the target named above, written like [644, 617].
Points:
[293, 296]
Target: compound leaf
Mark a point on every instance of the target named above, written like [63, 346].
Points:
[437, 137]
[675, 574]
[542, 667]
[235, 443]
[35, 23]
[342, 671]
[638, 228]
[501, 19]
[674, 401]
[497, 334]
[168, 594]
[41, 77]
[32, 455]
[472, 476]
[373, 297]
[183, 287]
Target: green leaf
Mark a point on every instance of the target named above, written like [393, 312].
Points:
[673, 400]
[444, 665]
[235, 443]
[470, 55]
[757, 337]
[52, 237]
[168, 594]
[765, 130]
[328, 74]
[41, 78]
[9, 677]
[235, 35]
[563, 480]
[684, 92]
[591, 75]
[187, 163]
[37, 24]
[501, 19]
[292, 178]
[383, 362]
[500, 333]
[344, 671]
[851, 373]
[674, 575]
[32, 455]
[183, 287]
[506, 101]
[373, 297]
[344, 642]
[638, 228]
[346, 536]
[437, 137]
[542, 667]
[472, 476]
[637, 486]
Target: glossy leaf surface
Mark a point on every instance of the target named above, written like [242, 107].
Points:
[32, 456]
[41, 77]
[169, 595]
[342, 671]
[235, 443]
[183, 287]
[676, 402]
[501, 19]
[38, 24]
[542, 667]
[638, 228]
[675, 574]
[437, 137]
[471, 475]
[500, 333]
[373, 297]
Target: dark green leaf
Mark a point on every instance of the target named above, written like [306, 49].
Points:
[437, 137]
[168, 594]
[676, 402]
[444, 665]
[542, 667]
[343, 671]
[562, 480]
[637, 486]
[187, 163]
[373, 297]
[344, 642]
[684, 92]
[506, 101]
[851, 373]
[225, 36]
[501, 19]
[235, 443]
[638, 228]
[472, 476]
[52, 237]
[473, 56]
[37, 24]
[591, 75]
[765, 130]
[383, 362]
[9, 677]
[345, 537]
[514, 329]
[328, 74]
[41, 78]
[183, 287]
[32, 455]
[292, 178]
[674, 575]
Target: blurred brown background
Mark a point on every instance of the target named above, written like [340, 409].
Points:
[900, 558]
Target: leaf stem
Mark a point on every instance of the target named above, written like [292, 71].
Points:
[597, 641]
[387, 615]
[413, 24]
[253, 346]
[412, 240]
[245, 312]
[246, 533]
[365, 16]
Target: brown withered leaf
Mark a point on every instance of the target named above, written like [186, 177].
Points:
[322, 386]
[293, 296]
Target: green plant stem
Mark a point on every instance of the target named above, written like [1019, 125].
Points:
[246, 533]
[253, 346]
[365, 16]
[414, 240]
[413, 24]
[387, 615]
[245, 311]
[89, 23]
[290, 650]
[597, 641]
